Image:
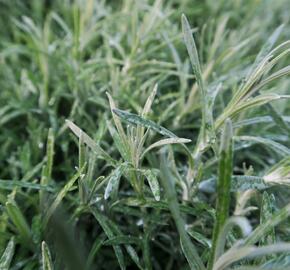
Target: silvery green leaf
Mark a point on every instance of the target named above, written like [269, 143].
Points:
[135, 119]
[153, 183]
[89, 141]
[149, 101]
[113, 183]
[267, 210]
[277, 147]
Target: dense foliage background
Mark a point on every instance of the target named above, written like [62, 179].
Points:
[79, 202]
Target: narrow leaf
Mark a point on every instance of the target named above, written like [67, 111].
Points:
[267, 210]
[246, 182]
[188, 248]
[47, 170]
[95, 248]
[123, 150]
[149, 101]
[104, 223]
[277, 147]
[49, 155]
[153, 183]
[279, 173]
[207, 119]
[135, 119]
[46, 257]
[19, 220]
[81, 150]
[117, 122]
[123, 240]
[200, 238]
[192, 51]
[89, 141]
[236, 254]
[130, 250]
[239, 222]
[268, 225]
[11, 184]
[165, 142]
[113, 183]
[267, 47]
[223, 186]
[62, 194]
[7, 255]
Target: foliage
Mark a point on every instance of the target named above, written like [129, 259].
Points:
[144, 134]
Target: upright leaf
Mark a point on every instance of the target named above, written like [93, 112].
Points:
[89, 141]
[118, 123]
[104, 223]
[192, 52]
[267, 47]
[46, 257]
[207, 119]
[46, 173]
[7, 255]
[123, 150]
[267, 210]
[49, 155]
[264, 51]
[62, 193]
[83, 187]
[188, 248]
[149, 101]
[223, 186]
[19, 220]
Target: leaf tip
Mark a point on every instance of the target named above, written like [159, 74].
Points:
[183, 17]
